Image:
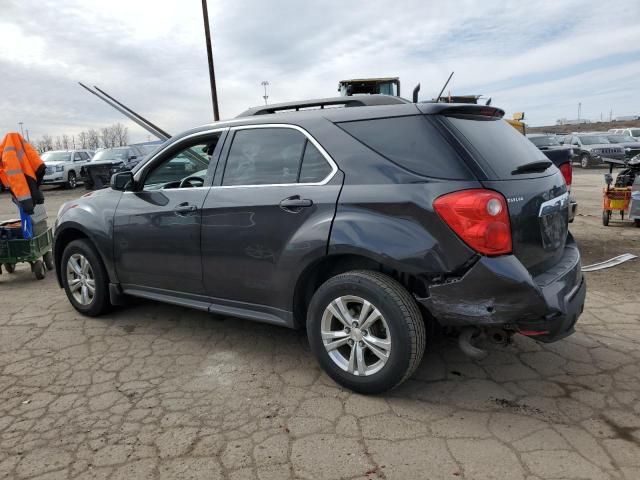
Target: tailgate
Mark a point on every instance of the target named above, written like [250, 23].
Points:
[537, 197]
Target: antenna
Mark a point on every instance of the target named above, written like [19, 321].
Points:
[131, 111]
[445, 86]
[127, 112]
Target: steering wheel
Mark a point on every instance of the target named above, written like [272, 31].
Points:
[186, 182]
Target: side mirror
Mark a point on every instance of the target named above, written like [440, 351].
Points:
[121, 181]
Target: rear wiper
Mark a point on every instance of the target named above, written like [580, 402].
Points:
[539, 166]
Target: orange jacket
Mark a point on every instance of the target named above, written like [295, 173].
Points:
[21, 170]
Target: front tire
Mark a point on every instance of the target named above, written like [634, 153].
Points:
[72, 181]
[366, 331]
[85, 279]
[584, 161]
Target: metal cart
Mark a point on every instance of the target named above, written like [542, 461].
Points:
[35, 251]
[623, 199]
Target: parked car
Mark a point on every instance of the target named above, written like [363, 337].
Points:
[108, 161]
[364, 224]
[631, 145]
[561, 156]
[591, 149]
[63, 166]
[630, 132]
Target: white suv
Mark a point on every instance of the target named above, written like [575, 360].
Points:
[629, 132]
[63, 166]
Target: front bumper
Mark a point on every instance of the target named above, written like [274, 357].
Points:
[53, 178]
[500, 292]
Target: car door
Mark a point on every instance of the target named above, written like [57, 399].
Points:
[157, 226]
[268, 215]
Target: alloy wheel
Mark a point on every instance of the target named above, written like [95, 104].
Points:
[81, 279]
[356, 335]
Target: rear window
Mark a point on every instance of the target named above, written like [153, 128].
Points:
[411, 142]
[501, 147]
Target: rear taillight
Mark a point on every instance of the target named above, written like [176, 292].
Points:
[567, 172]
[479, 217]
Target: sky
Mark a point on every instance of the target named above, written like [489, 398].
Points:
[540, 57]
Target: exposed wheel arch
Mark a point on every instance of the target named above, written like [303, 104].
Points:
[330, 266]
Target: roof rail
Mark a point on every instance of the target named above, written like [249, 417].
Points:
[352, 101]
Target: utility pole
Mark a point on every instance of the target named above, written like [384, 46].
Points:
[212, 75]
[579, 109]
[610, 115]
[21, 131]
[264, 83]
[28, 139]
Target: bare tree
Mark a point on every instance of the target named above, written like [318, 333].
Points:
[120, 134]
[58, 144]
[66, 142]
[106, 136]
[83, 139]
[93, 139]
[46, 143]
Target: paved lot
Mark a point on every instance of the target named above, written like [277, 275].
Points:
[155, 391]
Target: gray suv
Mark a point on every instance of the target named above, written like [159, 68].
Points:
[367, 225]
[591, 149]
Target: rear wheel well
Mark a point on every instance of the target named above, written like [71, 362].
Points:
[328, 267]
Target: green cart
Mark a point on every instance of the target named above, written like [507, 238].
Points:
[35, 251]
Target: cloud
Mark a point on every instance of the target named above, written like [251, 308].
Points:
[542, 57]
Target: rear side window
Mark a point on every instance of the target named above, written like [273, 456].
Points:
[501, 147]
[411, 142]
[314, 167]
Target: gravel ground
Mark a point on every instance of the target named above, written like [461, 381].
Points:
[156, 391]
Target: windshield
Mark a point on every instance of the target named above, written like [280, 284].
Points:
[112, 154]
[620, 139]
[545, 141]
[593, 139]
[635, 132]
[56, 156]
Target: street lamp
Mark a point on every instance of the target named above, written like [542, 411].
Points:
[264, 83]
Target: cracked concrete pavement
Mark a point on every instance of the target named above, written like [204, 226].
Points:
[156, 391]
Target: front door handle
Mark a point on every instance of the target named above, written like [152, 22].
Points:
[185, 208]
[295, 204]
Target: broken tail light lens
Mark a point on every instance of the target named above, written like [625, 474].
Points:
[567, 172]
[479, 217]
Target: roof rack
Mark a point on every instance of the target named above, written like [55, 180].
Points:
[352, 101]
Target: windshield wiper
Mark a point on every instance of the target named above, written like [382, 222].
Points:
[539, 166]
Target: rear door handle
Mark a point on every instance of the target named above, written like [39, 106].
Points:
[295, 204]
[185, 208]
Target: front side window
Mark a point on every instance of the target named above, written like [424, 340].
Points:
[264, 156]
[190, 163]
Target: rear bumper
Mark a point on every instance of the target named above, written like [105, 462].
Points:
[500, 292]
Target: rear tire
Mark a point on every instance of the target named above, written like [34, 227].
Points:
[10, 267]
[39, 270]
[89, 273]
[48, 261]
[605, 217]
[399, 331]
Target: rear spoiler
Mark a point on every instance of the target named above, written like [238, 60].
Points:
[435, 108]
